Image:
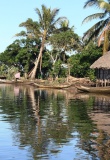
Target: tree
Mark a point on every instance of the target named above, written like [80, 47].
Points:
[80, 63]
[65, 40]
[102, 26]
[22, 54]
[46, 26]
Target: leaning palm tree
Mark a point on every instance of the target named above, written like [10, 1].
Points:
[99, 31]
[44, 28]
[105, 39]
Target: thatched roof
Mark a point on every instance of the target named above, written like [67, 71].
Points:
[102, 62]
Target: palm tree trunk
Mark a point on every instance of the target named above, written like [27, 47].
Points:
[106, 42]
[33, 72]
[41, 64]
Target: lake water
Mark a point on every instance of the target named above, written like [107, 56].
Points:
[53, 124]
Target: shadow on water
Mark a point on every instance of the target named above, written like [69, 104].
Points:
[52, 124]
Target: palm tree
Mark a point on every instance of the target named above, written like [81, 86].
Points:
[101, 30]
[42, 29]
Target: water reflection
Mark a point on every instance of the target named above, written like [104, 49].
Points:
[49, 124]
[100, 115]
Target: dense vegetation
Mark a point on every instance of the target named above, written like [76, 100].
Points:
[81, 62]
[21, 54]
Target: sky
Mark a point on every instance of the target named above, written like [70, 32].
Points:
[14, 12]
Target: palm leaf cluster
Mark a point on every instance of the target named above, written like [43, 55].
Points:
[100, 31]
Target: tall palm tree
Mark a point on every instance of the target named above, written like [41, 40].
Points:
[99, 31]
[44, 28]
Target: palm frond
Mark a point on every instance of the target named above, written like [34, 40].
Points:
[39, 15]
[94, 31]
[22, 33]
[93, 16]
[90, 3]
[101, 4]
[54, 13]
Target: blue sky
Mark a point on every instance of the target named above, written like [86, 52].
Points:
[14, 12]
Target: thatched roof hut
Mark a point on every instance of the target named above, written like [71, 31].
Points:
[103, 62]
[102, 68]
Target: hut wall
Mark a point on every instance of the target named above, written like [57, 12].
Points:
[103, 77]
[103, 74]
[108, 73]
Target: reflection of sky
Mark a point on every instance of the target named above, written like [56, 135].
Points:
[8, 150]
[70, 151]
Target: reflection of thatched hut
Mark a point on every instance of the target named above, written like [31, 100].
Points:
[102, 67]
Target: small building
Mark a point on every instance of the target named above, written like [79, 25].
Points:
[102, 68]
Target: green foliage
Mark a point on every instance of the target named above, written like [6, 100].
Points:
[3, 69]
[8, 72]
[65, 41]
[11, 72]
[56, 69]
[91, 74]
[22, 51]
[63, 72]
[46, 65]
[80, 63]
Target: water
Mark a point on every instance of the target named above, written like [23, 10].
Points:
[53, 125]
